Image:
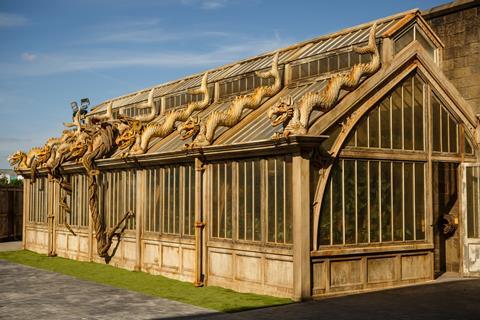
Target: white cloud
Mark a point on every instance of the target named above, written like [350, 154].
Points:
[206, 4]
[12, 20]
[29, 56]
[101, 59]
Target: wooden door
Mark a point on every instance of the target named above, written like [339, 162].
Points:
[470, 174]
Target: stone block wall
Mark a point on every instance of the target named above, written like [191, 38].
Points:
[458, 26]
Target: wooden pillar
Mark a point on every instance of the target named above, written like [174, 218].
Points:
[301, 228]
[199, 223]
[139, 214]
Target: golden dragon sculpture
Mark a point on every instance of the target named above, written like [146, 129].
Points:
[131, 128]
[296, 116]
[163, 129]
[203, 132]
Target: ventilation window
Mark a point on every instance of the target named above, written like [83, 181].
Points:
[412, 34]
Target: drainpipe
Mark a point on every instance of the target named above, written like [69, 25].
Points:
[199, 223]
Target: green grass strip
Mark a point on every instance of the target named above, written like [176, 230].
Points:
[210, 297]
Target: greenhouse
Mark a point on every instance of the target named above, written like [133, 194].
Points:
[341, 164]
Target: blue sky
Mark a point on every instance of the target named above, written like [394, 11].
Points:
[53, 52]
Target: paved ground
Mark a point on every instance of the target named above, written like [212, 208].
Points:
[29, 293]
[10, 246]
[441, 300]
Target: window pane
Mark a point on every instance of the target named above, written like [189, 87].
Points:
[397, 202]
[343, 60]
[409, 213]
[362, 133]
[349, 185]
[424, 42]
[257, 204]
[271, 199]
[314, 68]
[288, 200]
[408, 114]
[337, 204]
[373, 128]
[386, 201]
[362, 201]
[249, 194]
[404, 40]
[241, 200]
[385, 123]
[333, 63]
[418, 113]
[444, 129]
[228, 205]
[436, 109]
[397, 132]
[452, 129]
[419, 201]
[215, 198]
[324, 227]
[374, 202]
[472, 201]
[468, 145]
[280, 200]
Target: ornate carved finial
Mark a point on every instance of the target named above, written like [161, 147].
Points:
[296, 116]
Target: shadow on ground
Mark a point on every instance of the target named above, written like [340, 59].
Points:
[445, 300]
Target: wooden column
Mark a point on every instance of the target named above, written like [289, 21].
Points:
[199, 223]
[301, 228]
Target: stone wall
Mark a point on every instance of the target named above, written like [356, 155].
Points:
[11, 211]
[458, 26]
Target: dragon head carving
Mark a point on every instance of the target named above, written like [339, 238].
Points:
[281, 112]
[129, 130]
[190, 128]
[17, 160]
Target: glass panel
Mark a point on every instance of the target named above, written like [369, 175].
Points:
[288, 201]
[403, 40]
[354, 58]
[468, 145]
[323, 65]
[324, 227]
[304, 70]
[215, 198]
[386, 201]
[257, 202]
[333, 63]
[362, 133]
[271, 199]
[397, 132]
[337, 212]
[418, 122]
[241, 200]
[444, 130]
[280, 198]
[313, 68]
[397, 202]
[473, 211]
[374, 202]
[362, 201]
[373, 128]
[424, 42]
[349, 189]
[386, 141]
[343, 60]
[419, 201]
[436, 109]
[249, 194]
[408, 114]
[409, 210]
[452, 129]
[228, 205]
